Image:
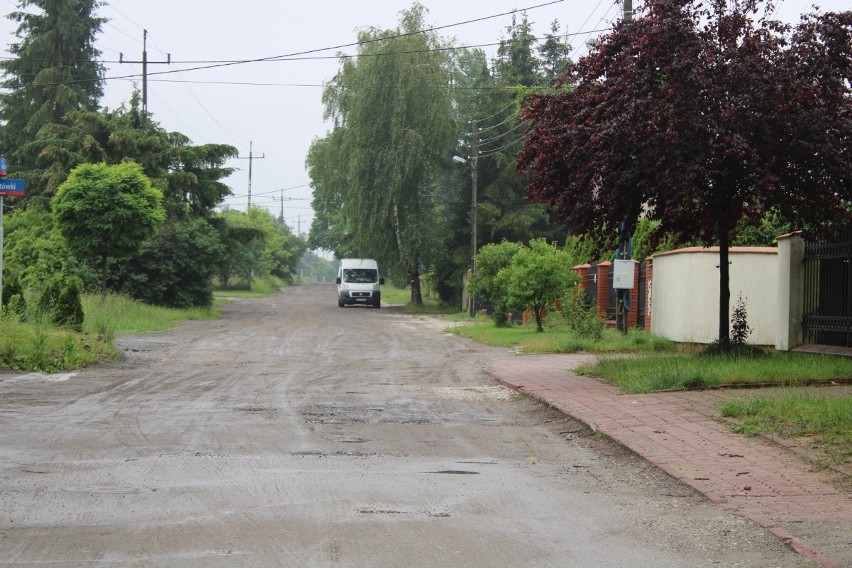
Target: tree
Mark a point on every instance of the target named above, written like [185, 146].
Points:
[393, 131]
[554, 53]
[536, 277]
[490, 260]
[175, 267]
[54, 70]
[699, 115]
[107, 212]
[244, 243]
[189, 176]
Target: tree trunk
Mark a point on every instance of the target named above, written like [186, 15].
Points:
[414, 279]
[724, 287]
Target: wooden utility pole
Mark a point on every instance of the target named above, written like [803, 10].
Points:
[251, 158]
[145, 63]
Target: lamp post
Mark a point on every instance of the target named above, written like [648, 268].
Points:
[473, 222]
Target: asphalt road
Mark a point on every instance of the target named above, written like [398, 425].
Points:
[291, 432]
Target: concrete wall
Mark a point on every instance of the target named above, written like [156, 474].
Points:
[685, 301]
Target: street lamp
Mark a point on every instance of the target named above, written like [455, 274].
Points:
[473, 204]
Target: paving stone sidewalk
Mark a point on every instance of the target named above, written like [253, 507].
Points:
[677, 432]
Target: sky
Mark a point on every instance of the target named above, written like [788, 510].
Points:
[272, 111]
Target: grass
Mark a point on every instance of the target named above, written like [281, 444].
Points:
[825, 423]
[37, 346]
[117, 315]
[41, 347]
[527, 340]
[402, 297]
[679, 371]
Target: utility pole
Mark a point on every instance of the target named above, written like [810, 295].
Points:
[282, 207]
[145, 63]
[625, 242]
[251, 158]
[474, 155]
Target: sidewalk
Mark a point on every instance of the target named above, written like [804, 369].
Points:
[752, 477]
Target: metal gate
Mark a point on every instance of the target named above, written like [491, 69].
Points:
[827, 318]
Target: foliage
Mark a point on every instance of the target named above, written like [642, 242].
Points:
[60, 303]
[698, 115]
[689, 372]
[490, 260]
[580, 316]
[392, 127]
[175, 267]
[34, 250]
[740, 329]
[54, 70]
[315, 268]
[255, 244]
[107, 211]
[535, 278]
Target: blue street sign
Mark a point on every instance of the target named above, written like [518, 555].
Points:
[2, 166]
[12, 187]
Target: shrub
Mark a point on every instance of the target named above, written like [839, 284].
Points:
[740, 329]
[69, 307]
[581, 316]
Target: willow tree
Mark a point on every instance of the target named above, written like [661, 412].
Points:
[393, 130]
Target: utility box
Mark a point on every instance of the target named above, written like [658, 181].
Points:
[623, 271]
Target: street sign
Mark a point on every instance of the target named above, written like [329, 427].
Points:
[12, 187]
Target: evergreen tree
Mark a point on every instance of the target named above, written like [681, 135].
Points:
[54, 71]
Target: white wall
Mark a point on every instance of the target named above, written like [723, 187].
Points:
[685, 302]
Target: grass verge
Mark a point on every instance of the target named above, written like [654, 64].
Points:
[41, 347]
[402, 297]
[527, 340]
[690, 372]
[822, 423]
[28, 346]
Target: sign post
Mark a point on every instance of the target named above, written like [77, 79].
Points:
[12, 188]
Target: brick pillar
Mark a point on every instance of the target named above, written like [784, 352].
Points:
[603, 287]
[583, 271]
[649, 278]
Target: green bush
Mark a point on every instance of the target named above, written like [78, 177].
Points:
[581, 316]
[69, 307]
[60, 303]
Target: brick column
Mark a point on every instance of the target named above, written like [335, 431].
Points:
[603, 287]
[583, 271]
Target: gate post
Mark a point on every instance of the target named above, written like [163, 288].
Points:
[791, 291]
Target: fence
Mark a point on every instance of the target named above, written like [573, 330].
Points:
[827, 318]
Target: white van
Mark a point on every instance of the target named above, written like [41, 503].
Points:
[358, 282]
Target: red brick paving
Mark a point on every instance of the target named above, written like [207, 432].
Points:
[677, 432]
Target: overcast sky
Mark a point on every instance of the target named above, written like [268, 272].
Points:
[276, 106]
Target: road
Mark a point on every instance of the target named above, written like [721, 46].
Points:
[291, 432]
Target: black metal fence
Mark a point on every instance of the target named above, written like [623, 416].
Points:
[591, 287]
[827, 318]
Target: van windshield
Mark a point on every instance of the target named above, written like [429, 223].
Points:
[360, 275]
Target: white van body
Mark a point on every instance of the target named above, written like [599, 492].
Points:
[358, 282]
